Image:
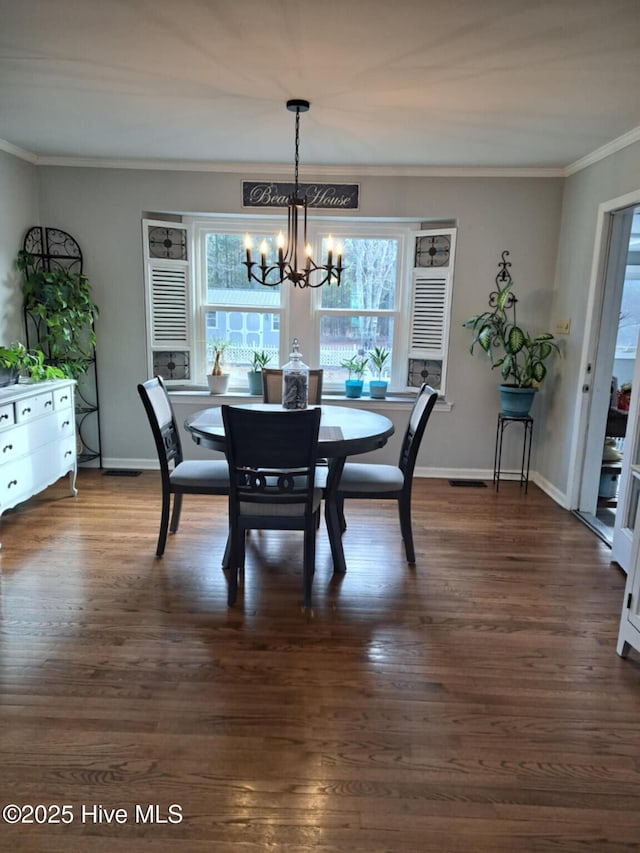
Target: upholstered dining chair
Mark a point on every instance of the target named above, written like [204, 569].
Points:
[272, 471]
[375, 481]
[272, 385]
[179, 477]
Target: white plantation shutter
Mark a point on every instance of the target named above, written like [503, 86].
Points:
[168, 300]
[429, 319]
[431, 293]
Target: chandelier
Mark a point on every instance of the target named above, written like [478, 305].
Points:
[294, 262]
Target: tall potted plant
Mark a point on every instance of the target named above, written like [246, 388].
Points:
[60, 304]
[519, 355]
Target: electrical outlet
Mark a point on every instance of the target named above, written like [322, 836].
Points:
[563, 327]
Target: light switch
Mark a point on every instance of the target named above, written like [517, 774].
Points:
[563, 327]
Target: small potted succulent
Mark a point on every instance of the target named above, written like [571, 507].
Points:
[356, 365]
[217, 380]
[259, 360]
[378, 356]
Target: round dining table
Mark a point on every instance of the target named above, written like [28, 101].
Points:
[344, 431]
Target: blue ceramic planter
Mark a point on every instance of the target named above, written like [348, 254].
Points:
[353, 387]
[516, 402]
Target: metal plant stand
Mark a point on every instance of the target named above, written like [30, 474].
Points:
[503, 422]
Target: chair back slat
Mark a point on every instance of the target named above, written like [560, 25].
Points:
[271, 455]
[157, 405]
[272, 385]
[422, 408]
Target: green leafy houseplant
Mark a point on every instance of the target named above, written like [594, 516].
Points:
[259, 360]
[60, 304]
[356, 365]
[519, 355]
[379, 356]
[16, 359]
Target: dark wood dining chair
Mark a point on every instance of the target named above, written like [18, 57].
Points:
[272, 385]
[374, 481]
[272, 469]
[179, 477]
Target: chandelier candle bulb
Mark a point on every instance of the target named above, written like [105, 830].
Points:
[247, 245]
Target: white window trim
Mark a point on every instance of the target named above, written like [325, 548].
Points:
[300, 310]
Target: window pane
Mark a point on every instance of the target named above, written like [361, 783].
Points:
[342, 337]
[227, 275]
[369, 276]
[245, 331]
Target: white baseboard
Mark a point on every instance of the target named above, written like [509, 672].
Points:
[129, 464]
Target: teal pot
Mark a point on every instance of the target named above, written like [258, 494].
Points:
[516, 402]
[378, 389]
[353, 388]
[255, 382]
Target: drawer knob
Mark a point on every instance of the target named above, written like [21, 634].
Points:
[64, 397]
[7, 447]
[26, 411]
[48, 403]
[4, 417]
[12, 483]
[65, 424]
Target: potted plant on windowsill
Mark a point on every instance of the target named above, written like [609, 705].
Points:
[378, 356]
[259, 360]
[217, 380]
[519, 355]
[356, 365]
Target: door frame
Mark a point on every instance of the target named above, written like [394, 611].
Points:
[588, 356]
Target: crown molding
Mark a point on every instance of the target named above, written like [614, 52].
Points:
[326, 170]
[18, 152]
[284, 169]
[604, 151]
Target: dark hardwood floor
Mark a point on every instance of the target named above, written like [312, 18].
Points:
[472, 704]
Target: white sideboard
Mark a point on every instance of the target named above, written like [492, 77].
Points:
[37, 439]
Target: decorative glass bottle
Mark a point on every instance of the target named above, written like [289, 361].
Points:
[295, 380]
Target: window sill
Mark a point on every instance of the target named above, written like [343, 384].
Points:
[391, 401]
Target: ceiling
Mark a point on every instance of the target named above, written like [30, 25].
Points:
[410, 83]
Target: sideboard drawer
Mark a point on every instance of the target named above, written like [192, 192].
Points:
[63, 398]
[33, 407]
[13, 444]
[7, 415]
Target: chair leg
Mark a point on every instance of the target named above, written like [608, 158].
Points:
[175, 515]
[236, 558]
[343, 520]
[164, 524]
[404, 511]
[309, 564]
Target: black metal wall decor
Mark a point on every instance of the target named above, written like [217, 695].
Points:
[503, 279]
[50, 249]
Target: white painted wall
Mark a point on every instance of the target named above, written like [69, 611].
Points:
[18, 212]
[585, 191]
[102, 208]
